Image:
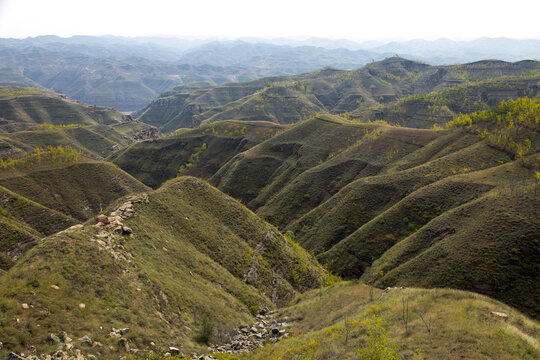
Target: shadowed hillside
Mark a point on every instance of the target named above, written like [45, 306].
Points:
[23, 223]
[199, 152]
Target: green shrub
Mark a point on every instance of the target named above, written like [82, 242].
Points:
[205, 330]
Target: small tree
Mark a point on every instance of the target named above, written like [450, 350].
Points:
[205, 330]
[378, 347]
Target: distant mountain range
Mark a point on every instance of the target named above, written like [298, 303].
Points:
[128, 73]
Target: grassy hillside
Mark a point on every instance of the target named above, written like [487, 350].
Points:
[445, 202]
[187, 252]
[290, 99]
[278, 103]
[342, 322]
[176, 107]
[67, 182]
[32, 118]
[253, 176]
[23, 108]
[355, 201]
[24, 221]
[97, 141]
[439, 107]
[199, 152]
[349, 202]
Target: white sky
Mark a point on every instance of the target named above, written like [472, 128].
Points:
[353, 19]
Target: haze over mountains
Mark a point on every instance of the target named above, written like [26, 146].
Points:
[127, 73]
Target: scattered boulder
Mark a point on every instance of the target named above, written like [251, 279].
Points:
[25, 306]
[499, 314]
[122, 342]
[55, 287]
[174, 351]
[85, 340]
[251, 337]
[74, 228]
[54, 339]
[14, 356]
[103, 219]
[60, 355]
[64, 336]
[264, 311]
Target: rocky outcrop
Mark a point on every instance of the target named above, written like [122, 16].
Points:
[146, 134]
[266, 330]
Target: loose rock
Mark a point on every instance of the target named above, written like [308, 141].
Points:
[103, 219]
[85, 340]
[499, 314]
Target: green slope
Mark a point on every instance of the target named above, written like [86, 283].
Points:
[290, 99]
[31, 118]
[341, 322]
[192, 252]
[199, 152]
[76, 188]
[24, 221]
[255, 175]
[439, 107]
[23, 108]
[176, 107]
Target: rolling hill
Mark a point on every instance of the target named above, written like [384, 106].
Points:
[198, 152]
[50, 189]
[51, 168]
[125, 83]
[346, 321]
[293, 98]
[384, 196]
[31, 118]
[186, 252]
[439, 107]
[423, 193]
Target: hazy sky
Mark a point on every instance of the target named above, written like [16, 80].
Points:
[353, 19]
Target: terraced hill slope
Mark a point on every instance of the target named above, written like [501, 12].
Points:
[293, 98]
[31, 118]
[23, 108]
[160, 263]
[439, 107]
[23, 223]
